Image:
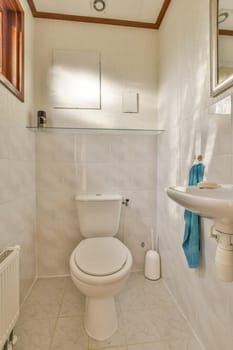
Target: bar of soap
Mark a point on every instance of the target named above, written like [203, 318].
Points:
[208, 184]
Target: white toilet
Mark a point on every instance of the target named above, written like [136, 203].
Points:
[100, 265]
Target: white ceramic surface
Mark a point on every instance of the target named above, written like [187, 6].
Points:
[99, 214]
[212, 203]
[100, 292]
[99, 217]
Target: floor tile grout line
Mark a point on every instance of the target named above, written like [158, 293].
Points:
[58, 315]
[126, 345]
[88, 340]
[184, 316]
[28, 293]
[115, 347]
[47, 277]
[53, 333]
[71, 316]
[160, 341]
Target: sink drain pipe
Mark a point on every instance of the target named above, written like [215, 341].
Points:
[224, 254]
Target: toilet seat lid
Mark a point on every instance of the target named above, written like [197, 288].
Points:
[100, 256]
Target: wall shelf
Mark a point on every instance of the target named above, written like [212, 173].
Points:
[95, 130]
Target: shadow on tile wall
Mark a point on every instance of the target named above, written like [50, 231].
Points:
[17, 168]
[183, 109]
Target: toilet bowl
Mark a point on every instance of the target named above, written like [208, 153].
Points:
[100, 265]
[100, 282]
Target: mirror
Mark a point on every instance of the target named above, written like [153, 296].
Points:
[221, 45]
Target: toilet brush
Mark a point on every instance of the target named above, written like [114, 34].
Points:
[152, 262]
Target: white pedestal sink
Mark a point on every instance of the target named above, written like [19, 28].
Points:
[216, 204]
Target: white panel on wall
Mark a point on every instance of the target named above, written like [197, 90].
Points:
[76, 79]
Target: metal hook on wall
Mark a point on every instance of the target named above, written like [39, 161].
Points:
[126, 202]
[199, 158]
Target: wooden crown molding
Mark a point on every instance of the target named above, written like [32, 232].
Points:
[162, 13]
[109, 21]
[225, 32]
[32, 7]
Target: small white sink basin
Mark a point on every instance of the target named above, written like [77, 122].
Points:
[216, 204]
[212, 203]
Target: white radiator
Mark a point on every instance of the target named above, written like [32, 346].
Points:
[9, 292]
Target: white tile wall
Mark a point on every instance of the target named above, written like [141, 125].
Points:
[17, 168]
[69, 164]
[183, 110]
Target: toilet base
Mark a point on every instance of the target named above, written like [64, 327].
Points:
[100, 317]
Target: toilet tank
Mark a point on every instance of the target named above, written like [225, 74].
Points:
[99, 214]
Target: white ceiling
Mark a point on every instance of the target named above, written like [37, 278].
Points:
[131, 10]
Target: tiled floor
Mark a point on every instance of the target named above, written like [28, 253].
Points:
[52, 319]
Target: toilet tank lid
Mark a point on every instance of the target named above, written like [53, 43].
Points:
[98, 197]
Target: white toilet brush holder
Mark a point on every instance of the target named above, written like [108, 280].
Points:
[152, 262]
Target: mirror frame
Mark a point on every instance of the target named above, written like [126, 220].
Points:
[215, 87]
